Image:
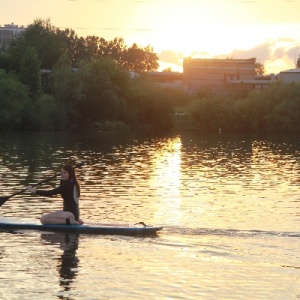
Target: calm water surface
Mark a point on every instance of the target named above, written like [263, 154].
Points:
[229, 205]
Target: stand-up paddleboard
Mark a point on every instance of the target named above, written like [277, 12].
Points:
[138, 229]
[98, 228]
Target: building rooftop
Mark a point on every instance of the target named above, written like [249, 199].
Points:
[297, 70]
[220, 59]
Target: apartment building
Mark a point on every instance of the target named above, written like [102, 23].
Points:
[212, 74]
[8, 33]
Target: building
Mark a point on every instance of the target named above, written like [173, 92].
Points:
[289, 76]
[213, 74]
[8, 33]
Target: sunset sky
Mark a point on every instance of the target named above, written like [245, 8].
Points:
[266, 29]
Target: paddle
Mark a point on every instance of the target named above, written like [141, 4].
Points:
[4, 199]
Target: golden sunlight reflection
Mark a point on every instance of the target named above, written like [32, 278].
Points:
[269, 164]
[166, 176]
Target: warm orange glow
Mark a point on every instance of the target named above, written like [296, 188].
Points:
[167, 166]
[197, 28]
[201, 28]
[216, 29]
[166, 176]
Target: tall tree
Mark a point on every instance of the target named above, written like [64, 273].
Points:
[91, 47]
[75, 46]
[48, 41]
[103, 85]
[30, 72]
[140, 59]
[259, 69]
[113, 49]
[14, 102]
[298, 62]
[4, 61]
[66, 88]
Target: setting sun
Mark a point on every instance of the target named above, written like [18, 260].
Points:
[150, 149]
[177, 29]
[209, 29]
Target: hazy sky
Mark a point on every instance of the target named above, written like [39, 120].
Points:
[266, 29]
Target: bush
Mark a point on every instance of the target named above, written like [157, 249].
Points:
[275, 109]
[14, 102]
[50, 114]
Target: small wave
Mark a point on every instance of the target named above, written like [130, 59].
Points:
[227, 232]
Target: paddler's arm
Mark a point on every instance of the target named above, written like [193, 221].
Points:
[55, 191]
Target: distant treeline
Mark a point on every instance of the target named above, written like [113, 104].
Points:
[50, 43]
[90, 85]
[275, 109]
[98, 93]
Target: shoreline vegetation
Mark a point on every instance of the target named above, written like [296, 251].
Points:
[91, 86]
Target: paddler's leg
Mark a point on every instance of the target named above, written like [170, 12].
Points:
[59, 217]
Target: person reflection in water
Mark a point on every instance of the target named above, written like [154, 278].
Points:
[68, 260]
[69, 190]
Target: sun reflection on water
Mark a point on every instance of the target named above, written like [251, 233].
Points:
[166, 177]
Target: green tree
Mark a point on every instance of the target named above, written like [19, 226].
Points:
[30, 72]
[298, 62]
[168, 69]
[104, 83]
[50, 114]
[75, 46]
[66, 89]
[150, 105]
[4, 61]
[113, 49]
[138, 59]
[48, 41]
[14, 102]
[259, 69]
[91, 48]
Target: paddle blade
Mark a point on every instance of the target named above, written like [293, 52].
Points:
[3, 200]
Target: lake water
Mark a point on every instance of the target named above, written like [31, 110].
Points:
[229, 204]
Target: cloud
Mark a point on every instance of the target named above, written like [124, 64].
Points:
[169, 56]
[276, 55]
[260, 52]
[282, 55]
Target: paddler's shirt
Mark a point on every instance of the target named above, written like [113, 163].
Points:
[68, 192]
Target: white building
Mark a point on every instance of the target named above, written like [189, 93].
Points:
[289, 76]
[8, 32]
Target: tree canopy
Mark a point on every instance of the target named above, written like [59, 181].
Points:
[259, 69]
[51, 42]
[14, 102]
[89, 85]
